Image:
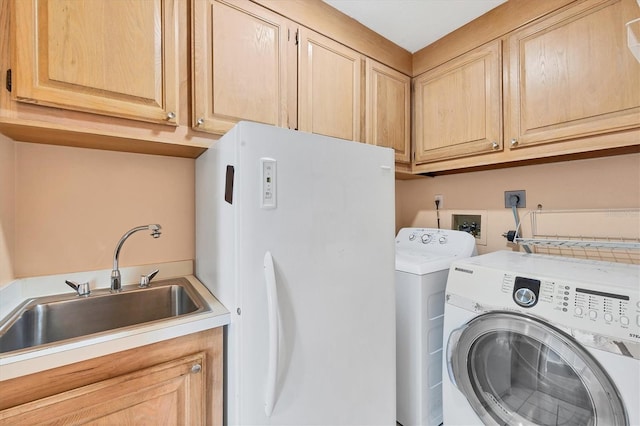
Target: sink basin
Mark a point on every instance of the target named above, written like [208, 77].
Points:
[53, 319]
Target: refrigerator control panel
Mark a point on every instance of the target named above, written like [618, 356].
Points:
[268, 185]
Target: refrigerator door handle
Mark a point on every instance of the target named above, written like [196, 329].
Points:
[274, 337]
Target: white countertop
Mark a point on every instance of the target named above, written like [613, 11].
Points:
[76, 350]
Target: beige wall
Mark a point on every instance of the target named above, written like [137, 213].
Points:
[72, 205]
[7, 208]
[611, 182]
[63, 209]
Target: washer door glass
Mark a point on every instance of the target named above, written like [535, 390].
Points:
[517, 370]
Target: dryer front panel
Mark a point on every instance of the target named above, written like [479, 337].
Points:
[517, 369]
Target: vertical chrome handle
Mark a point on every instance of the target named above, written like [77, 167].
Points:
[274, 337]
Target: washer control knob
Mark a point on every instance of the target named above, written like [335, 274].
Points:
[578, 310]
[525, 297]
[412, 237]
[624, 320]
[608, 317]
[593, 314]
[426, 238]
[442, 240]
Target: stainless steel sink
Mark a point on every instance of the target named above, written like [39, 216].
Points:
[52, 319]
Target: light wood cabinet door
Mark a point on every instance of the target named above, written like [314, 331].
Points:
[117, 58]
[171, 393]
[572, 76]
[243, 66]
[458, 106]
[330, 82]
[388, 109]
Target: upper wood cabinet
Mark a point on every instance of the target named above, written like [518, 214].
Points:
[572, 76]
[388, 109]
[329, 87]
[244, 60]
[117, 58]
[458, 106]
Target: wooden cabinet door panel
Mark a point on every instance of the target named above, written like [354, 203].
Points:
[458, 106]
[116, 58]
[388, 109]
[243, 66]
[170, 393]
[329, 87]
[572, 75]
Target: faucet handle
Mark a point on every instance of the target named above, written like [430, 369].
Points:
[81, 288]
[146, 279]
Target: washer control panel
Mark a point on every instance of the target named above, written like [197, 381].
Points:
[589, 296]
[442, 241]
[577, 305]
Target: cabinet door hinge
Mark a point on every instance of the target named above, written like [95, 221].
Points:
[297, 37]
[8, 80]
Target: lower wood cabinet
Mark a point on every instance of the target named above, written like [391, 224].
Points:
[178, 382]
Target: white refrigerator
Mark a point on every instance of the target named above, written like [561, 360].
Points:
[295, 236]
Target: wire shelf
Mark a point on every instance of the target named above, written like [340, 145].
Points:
[614, 234]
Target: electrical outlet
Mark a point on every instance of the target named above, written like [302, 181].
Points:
[440, 199]
[519, 197]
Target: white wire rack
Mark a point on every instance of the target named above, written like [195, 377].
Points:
[612, 235]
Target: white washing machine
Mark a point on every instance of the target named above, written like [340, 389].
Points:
[423, 257]
[543, 340]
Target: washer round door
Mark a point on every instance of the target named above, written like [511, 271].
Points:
[517, 370]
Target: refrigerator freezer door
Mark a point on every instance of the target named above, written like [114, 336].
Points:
[331, 239]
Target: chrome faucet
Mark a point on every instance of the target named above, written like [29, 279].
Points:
[116, 281]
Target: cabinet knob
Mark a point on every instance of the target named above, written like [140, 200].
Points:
[495, 145]
[200, 121]
[196, 368]
[171, 115]
[514, 142]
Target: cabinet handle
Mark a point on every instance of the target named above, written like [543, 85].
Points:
[200, 121]
[196, 368]
[171, 115]
[495, 145]
[514, 142]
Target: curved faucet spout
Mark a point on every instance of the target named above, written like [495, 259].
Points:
[116, 281]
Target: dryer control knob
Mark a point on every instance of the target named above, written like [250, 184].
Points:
[426, 238]
[525, 297]
[442, 240]
[412, 237]
[624, 320]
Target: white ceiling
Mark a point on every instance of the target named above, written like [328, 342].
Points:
[414, 24]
